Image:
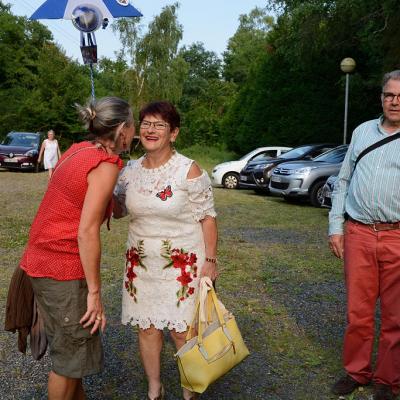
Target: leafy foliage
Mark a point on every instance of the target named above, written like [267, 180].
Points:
[278, 82]
[295, 92]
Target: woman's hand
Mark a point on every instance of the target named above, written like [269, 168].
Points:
[94, 314]
[209, 269]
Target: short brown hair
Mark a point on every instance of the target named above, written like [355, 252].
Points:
[165, 110]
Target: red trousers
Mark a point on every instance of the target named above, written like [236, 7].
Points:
[372, 269]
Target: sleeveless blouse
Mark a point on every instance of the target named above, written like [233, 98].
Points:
[52, 250]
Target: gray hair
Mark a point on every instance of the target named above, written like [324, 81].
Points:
[395, 75]
[102, 117]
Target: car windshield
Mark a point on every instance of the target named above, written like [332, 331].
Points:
[297, 152]
[245, 156]
[333, 156]
[262, 157]
[21, 139]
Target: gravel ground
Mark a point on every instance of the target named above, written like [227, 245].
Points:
[309, 315]
[24, 379]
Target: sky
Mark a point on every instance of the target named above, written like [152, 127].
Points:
[212, 22]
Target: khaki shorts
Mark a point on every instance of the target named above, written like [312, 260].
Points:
[74, 352]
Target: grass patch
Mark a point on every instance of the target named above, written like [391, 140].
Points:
[208, 157]
[277, 277]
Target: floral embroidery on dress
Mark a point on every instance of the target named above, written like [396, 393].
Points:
[164, 194]
[134, 257]
[186, 262]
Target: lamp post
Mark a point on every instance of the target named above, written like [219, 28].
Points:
[347, 66]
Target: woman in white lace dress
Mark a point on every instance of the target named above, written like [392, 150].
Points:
[172, 238]
[49, 152]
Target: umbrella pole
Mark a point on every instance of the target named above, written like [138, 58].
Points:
[92, 81]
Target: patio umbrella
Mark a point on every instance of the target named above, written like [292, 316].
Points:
[63, 9]
[87, 16]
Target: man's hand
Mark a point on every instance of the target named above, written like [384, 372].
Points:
[336, 244]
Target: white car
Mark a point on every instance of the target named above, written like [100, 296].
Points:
[227, 173]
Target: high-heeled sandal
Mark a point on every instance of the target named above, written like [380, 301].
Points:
[160, 396]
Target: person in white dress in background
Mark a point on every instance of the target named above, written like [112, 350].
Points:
[172, 239]
[49, 152]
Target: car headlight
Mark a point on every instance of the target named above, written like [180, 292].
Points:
[263, 166]
[31, 153]
[302, 171]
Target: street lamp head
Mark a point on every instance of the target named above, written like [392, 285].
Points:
[87, 18]
[348, 65]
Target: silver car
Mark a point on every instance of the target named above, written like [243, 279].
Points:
[327, 191]
[306, 178]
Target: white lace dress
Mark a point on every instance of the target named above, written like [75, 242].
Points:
[165, 248]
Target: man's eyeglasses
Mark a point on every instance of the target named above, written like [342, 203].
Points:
[389, 97]
[158, 125]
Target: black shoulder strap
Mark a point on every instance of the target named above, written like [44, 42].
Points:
[374, 146]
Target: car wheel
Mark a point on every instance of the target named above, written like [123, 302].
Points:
[36, 168]
[316, 194]
[230, 180]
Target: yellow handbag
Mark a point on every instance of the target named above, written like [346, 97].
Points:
[216, 349]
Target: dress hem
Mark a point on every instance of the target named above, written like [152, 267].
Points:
[146, 322]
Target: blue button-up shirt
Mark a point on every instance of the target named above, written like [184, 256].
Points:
[371, 192]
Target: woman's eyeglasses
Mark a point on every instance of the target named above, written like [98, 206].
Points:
[158, 125]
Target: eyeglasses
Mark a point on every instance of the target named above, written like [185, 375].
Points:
[158, 125]
[389, 97]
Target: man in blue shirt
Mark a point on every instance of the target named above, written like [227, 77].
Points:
[369, 243]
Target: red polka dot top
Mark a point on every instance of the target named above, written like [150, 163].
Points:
[52, 250]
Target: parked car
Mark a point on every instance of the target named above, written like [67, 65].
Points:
[257, 172]
[227, 173]
[20, 150]
[327, 190]
[306, 178]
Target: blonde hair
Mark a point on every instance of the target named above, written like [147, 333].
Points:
[103, 117]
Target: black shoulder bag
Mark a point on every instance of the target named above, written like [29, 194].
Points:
[374, 146]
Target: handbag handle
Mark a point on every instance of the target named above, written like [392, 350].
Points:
[207, 291]
[201, 298]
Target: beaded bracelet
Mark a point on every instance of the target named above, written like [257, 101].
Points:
[211, 260]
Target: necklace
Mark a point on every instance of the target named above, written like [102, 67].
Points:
[146, 158]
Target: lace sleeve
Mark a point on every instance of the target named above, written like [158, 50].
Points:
[201, 197]
[120, 190]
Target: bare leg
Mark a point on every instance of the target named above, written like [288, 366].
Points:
[79, 392]
[179, 340]
[150, 345]
[63, 388]
[50, 172]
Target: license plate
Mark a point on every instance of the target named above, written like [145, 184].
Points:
[11, 160]
[276, 179]
[243, 178]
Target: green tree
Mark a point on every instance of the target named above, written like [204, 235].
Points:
[155, 71]
[204, 96]
[247, 46]
[295, 93]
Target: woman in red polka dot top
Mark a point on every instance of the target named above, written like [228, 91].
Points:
[62, 256]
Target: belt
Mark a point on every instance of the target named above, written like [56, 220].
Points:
[379, 226]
